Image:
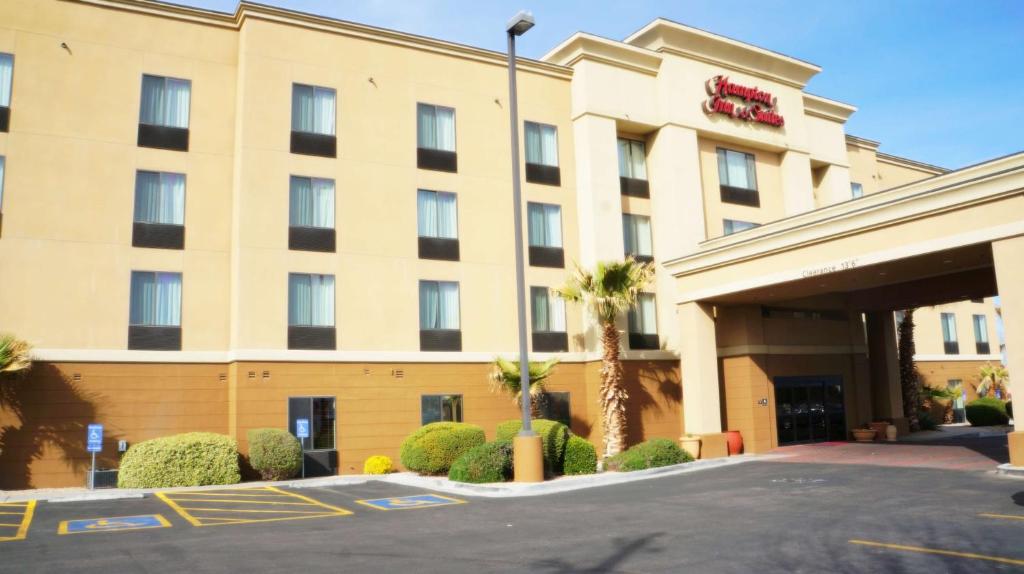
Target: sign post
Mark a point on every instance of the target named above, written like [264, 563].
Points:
[302, 432]
[93, 444]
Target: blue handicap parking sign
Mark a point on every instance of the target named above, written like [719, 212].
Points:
[407, 502]
[302, 428]
[94, 438]
[110, 524]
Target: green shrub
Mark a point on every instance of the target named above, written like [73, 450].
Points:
[274, 453]
[925, 421]
[553, 435]
[190, 459]
[986, 412]
[649, 454]
[490, 462]
[580, 456]
[378, 464]
[434, 447]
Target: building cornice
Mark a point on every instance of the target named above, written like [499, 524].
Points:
[250, 10]
[825, 108]
[862, 143]
[665, 36]
[909, 163]
[583, 46]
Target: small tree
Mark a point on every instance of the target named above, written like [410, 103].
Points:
[909, 383]
[993, 378]
[506, 379]
[15, 355]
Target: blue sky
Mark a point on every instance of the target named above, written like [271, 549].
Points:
[939, 81]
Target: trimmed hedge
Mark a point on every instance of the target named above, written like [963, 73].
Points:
[190, 459]
[435, 447]
[553, 434]
[378, 464]
[649, 454]
[580, 456]
[986, 412]
[274, 453]
[489, 462]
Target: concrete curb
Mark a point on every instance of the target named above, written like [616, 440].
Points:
[1010, 471]
[493, 490]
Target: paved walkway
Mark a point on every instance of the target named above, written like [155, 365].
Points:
[968, 453]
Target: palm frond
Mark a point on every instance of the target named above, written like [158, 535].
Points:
[506, 376]
[15, 354]
[610, 289]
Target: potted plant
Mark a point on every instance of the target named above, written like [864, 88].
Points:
[864, 434]
[879, 428]
[691, 444]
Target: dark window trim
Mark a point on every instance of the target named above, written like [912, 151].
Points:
[740, 196]
[154, 338]
[309, 143]
[440, 339]
[641, 258]
[550, 341]
[441, 248]
[312, 338]
[634, 187]
[158, 235]
[951, 347]
[982, 348]
[321, 239]
[543, 256]
[5, 119]
[643, 341]
[163, 137]
[543, 174]
[436, 159]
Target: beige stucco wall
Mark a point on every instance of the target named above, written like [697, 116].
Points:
[769, 188]
[928, 330]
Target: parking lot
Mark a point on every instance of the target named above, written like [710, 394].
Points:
[763, 516]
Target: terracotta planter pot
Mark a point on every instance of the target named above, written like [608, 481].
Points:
[691, 445]
[735, 442]
[879, 428]
[864, 435]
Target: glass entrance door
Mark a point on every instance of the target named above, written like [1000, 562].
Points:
[809, 409]
[319, 450]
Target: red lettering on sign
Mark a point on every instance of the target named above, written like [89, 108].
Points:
[761, 108]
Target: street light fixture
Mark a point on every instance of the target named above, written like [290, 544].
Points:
[528, 462]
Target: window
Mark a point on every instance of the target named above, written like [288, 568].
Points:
[554, 406]
[731, 226]
[312, 109]
[439, 316]
[856, 190]
[165, 101]
[636, 235]
[548, 325]
[311, 214]
[320, 412]
[633, 168]
[440, 408]
[542, 154]
[159, 210]
[163, 113]
[310, 300]
[436, 214]
[737, 177]
[313, 119]
[981, 335]
[643, 324]
[949, 334]
[435, 138]
[154, 314]
[545, 234]
[957, 403]
[160, 198]
[6, 74]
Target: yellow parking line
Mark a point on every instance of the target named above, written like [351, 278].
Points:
[941, 552]
[1006, 516]
[26, 520]
[197, 514]
[256, 511]
[240, 501]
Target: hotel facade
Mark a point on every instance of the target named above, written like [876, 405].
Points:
[220, 222]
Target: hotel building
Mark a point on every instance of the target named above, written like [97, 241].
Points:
[219, 222]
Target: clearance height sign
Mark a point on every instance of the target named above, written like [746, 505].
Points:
[741, 102]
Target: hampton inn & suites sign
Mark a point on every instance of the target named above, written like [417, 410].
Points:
[758, 105]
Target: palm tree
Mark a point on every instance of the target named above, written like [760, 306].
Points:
[506, 379]
[909, 381]
[15, 355]
[611, 288]
[993, 378]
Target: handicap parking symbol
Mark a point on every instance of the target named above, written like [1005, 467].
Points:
[409, 502]
[112, 524]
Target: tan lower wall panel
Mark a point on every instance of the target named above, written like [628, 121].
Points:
[936, 374]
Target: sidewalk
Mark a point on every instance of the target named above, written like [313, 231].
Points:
[492, 490]
[956, 431]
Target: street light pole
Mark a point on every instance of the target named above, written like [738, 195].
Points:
[528, 463]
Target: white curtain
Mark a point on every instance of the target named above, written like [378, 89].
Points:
[648, 314]
[449, 298]
[949, 327]
[311, 202]
[736, 169]
[533, 145]
[152, 101]
[168, 299]
[160, 198]
[313, 109]
[541, 144]
[436, 214]
[544, 224]
[323, 122]
[435, 127]
[624, 164]
[298, 299]
[6, 73]
[302, 108]
[429, 305]
[980, 329]
[445, 128]
[177, 102]
[310, 300]
[632, 159]
[155, 299]
[143, 298]
[165, 101]
[636, 230]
